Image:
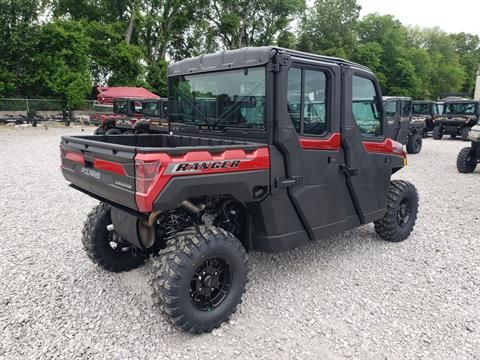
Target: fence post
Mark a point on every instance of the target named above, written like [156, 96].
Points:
[28, 110]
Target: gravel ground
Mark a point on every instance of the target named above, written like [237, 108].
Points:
[350, 296]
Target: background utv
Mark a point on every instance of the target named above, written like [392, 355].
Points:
[269, 149]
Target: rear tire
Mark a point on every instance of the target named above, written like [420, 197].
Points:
[466, 160]
[98, 243]
[401, 214]
[465, 132]
[437, 132]
[414, 145]
[99, 131]
[193, 303]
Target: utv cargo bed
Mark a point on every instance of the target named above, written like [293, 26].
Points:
[122, 168]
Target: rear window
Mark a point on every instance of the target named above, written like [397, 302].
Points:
[219, 100]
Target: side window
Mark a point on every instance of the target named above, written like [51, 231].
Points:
[391, 108]
[314, 95]
[306, 96]
[406, 108]
[365, 107]
[294, 94]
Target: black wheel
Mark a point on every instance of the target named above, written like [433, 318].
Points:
[104, 247]
[99, 131]
[414, 144]
[437, 132]
[465, 132]
[200, 278]
[401, 214]
[67, 122]
[141, 130]
[113, 132]
[466, 160]
[34, 123]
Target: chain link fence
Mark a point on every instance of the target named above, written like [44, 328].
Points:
[34, 105]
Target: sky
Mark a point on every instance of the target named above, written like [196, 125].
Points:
[451, 16]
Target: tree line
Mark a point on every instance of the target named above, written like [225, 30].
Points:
[62, 48]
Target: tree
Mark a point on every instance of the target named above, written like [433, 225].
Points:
[467, 47]
[239, 23]
[60, 67]
[18, 26]
[329, 28]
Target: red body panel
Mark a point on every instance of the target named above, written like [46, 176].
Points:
[331, 143]
[388, 146]
[76, 157]
[247, 161]
[109, 166]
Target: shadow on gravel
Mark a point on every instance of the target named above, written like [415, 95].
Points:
[328, 251]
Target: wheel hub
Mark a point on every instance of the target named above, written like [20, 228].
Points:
[210, 284]
[403, 214]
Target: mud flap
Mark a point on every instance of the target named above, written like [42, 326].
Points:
[127, 226]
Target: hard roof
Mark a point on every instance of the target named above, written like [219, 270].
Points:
[245, 57]
[424, 101]
[396, 98]
[460, 101]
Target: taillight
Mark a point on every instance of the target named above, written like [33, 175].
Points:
[145, 173]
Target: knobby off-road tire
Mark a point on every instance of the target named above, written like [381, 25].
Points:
[192, 269]
[437, 132]
[97, 242]
[414, 145]
[99, 131]
[465, 132]
[401, 214]
[466, 160]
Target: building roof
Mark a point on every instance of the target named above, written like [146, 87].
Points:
[107, 94]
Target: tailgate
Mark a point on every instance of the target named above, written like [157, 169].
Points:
[103, 169]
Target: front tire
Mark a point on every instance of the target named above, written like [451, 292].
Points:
[414, 145]
[466, 160]
[200, 278]
[105, 247]
[437, 132]
[465, 132]
[401, 214]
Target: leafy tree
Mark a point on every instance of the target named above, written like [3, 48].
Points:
[239, 23]
[329, 27]
[467, 47]
[61, 67]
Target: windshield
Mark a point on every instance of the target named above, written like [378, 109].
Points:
[234, 98]
[154, 108]
[461, 108]
[422, 108]
[122, 107]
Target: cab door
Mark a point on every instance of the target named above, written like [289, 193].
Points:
[308, 136]
[392, 116]
[405, 121]
[367, 149]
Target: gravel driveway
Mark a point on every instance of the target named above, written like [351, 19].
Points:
[350, 296]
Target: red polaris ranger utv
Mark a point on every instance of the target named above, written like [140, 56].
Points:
[268, 149]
